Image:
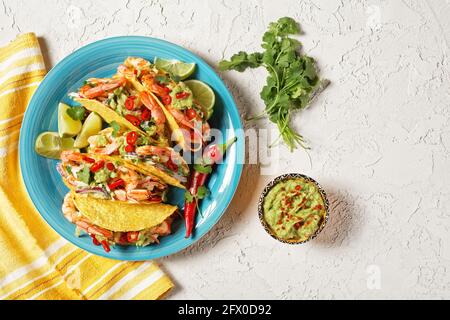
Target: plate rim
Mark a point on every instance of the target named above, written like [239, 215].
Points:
[120, 255]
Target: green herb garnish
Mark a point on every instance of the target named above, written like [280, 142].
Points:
[76, 113]
[203, 168]
[292, 80]
[162, 79]
[116, 128]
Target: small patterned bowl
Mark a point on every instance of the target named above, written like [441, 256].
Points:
[271, 184]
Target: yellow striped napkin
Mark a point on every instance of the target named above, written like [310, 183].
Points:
[36, 263]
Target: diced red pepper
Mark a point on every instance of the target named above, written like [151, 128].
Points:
[167, 100]
[97, 166]
[116, 184]
[129, 103]
[110, 166]
[182, 95]
[146, 114]
[132, 137]
[129, 148]
[132, 236]
[89, 160]
[105, 246]
[94, 240]
[134, 120]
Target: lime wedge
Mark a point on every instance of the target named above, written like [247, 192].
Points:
[203, 94]
[67, 127]
[175, 67]
[91, 126]
[50, 144]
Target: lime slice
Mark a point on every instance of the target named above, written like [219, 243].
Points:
[67, 127]
[203, 94]
[175, 67]
[50, 144]
[91, 126]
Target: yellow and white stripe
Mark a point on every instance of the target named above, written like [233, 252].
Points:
[36, 263]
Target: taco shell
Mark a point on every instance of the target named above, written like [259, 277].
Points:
[173, 125]
[122, 216]
[107, 114]
[148, 170]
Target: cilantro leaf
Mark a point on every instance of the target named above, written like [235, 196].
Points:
[241, 61]
[76, 113]
[188, 196]
[203, 168]
[202, 192]
[116, 128]
[162, 79]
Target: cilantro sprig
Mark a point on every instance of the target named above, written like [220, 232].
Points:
[76, 113]
[292, 82]
[202, 192]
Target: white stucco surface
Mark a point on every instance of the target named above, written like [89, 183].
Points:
[379, 134]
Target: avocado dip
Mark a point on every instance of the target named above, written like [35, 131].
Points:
[294, 209]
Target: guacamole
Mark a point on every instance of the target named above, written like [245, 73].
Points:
[294, 209]
[183, 102]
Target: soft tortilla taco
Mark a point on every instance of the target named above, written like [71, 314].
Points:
[116, 100]
[114, 222]
[139, 153]
[111, 179]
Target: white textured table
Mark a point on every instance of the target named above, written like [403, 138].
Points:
[380, 139]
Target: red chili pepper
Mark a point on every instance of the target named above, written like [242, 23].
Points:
[191, 114]
[134, 120]
[116, 184]
[129, 148]
[105, 246]
[110, 166]
[129, 103]
[146, 114]
[89, 160]
[182, 95]
[94, 240]
[132, 137]
[166, 89]
[167, 100]
[132, 236]
[97, 166]
[198, 179]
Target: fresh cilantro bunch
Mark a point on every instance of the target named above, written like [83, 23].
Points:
[292, 79]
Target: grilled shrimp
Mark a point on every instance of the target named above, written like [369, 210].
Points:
[150, 103]
[101, 88]
[71, 213]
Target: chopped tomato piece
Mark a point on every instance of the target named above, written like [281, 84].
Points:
[116, 184]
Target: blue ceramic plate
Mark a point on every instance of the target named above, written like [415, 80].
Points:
[100, 59]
